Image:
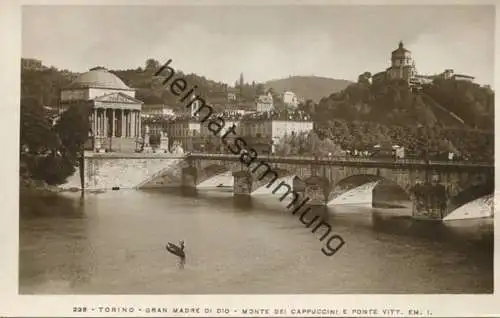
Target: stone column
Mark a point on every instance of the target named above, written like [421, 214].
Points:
[113, 133]
[108, 126]
[125, 123]
[299, 186]
[242, 183]
[98, 122]
[139, 124]
[132, 124]
[94, 121]
[122, 121]
[105, 121]
[189, 176]
[128, 124]
[102, 121]
[315, 193]
[136, 124]
[429, 201]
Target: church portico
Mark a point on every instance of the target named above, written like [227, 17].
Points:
[116, 114]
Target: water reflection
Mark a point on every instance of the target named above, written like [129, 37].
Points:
[54, 232]
[114, 243]
[243, 203]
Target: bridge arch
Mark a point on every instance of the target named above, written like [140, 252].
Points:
[467, 195]
[378, 187]
[209, 172]
[265, 181]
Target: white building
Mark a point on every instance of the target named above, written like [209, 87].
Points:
[115, 118]
[264, 103]
[151, 110]
[290, 99]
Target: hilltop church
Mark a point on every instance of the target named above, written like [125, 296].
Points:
[403, 68]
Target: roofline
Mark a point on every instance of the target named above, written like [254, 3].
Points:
[100, 87]
[119, 93]
[401, 49]
[463, 75]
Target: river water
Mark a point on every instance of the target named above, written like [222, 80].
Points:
[114, 243]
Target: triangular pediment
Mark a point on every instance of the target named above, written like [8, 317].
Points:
[117, 98]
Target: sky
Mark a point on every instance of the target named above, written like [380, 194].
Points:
[262, 42]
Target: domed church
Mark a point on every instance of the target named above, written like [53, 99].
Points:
[402, 64]
[116, 116]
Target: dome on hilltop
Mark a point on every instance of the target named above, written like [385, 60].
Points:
[401, 49]
[98, 77]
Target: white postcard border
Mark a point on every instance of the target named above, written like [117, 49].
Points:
[12, 304]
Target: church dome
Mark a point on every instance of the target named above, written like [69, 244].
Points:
[401, 50]
[98, 77]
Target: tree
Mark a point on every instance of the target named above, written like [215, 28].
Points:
[37, 135]
[53, 152]
[365, 78]
[260, 89]
[73, 130]
[151, 66]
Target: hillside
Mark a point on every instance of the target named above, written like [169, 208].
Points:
[308, 87]
[445, 103]
[445, 115]
[44, 83]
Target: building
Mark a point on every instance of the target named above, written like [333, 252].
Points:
[151, 110]
[116, 113]
[290, 99]
[402, 65]
[155, 124]
[231, 94]
[264, 103]
[207, 141]
[263, 130]
[184, 129]
[422, 79]
[447, 74]
[462, 77]
[403, 68]
[32, 64]
[154, 106]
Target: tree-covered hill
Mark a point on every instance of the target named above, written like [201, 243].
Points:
[44, 83]
[447, 103]
[308, 87]
[474, 104]
[445, 116]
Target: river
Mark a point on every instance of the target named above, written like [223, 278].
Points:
[114, 243]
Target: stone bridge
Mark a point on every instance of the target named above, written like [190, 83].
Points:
[435, 188]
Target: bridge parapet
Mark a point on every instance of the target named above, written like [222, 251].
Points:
[344, 160]
[442, 179]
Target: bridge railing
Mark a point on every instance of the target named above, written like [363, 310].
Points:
[354, 160]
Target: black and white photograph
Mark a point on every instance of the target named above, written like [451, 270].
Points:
[256, 150]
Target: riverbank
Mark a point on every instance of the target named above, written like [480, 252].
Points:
[30, 186]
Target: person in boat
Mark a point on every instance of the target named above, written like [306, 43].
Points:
[183, 257]
[179, 251]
